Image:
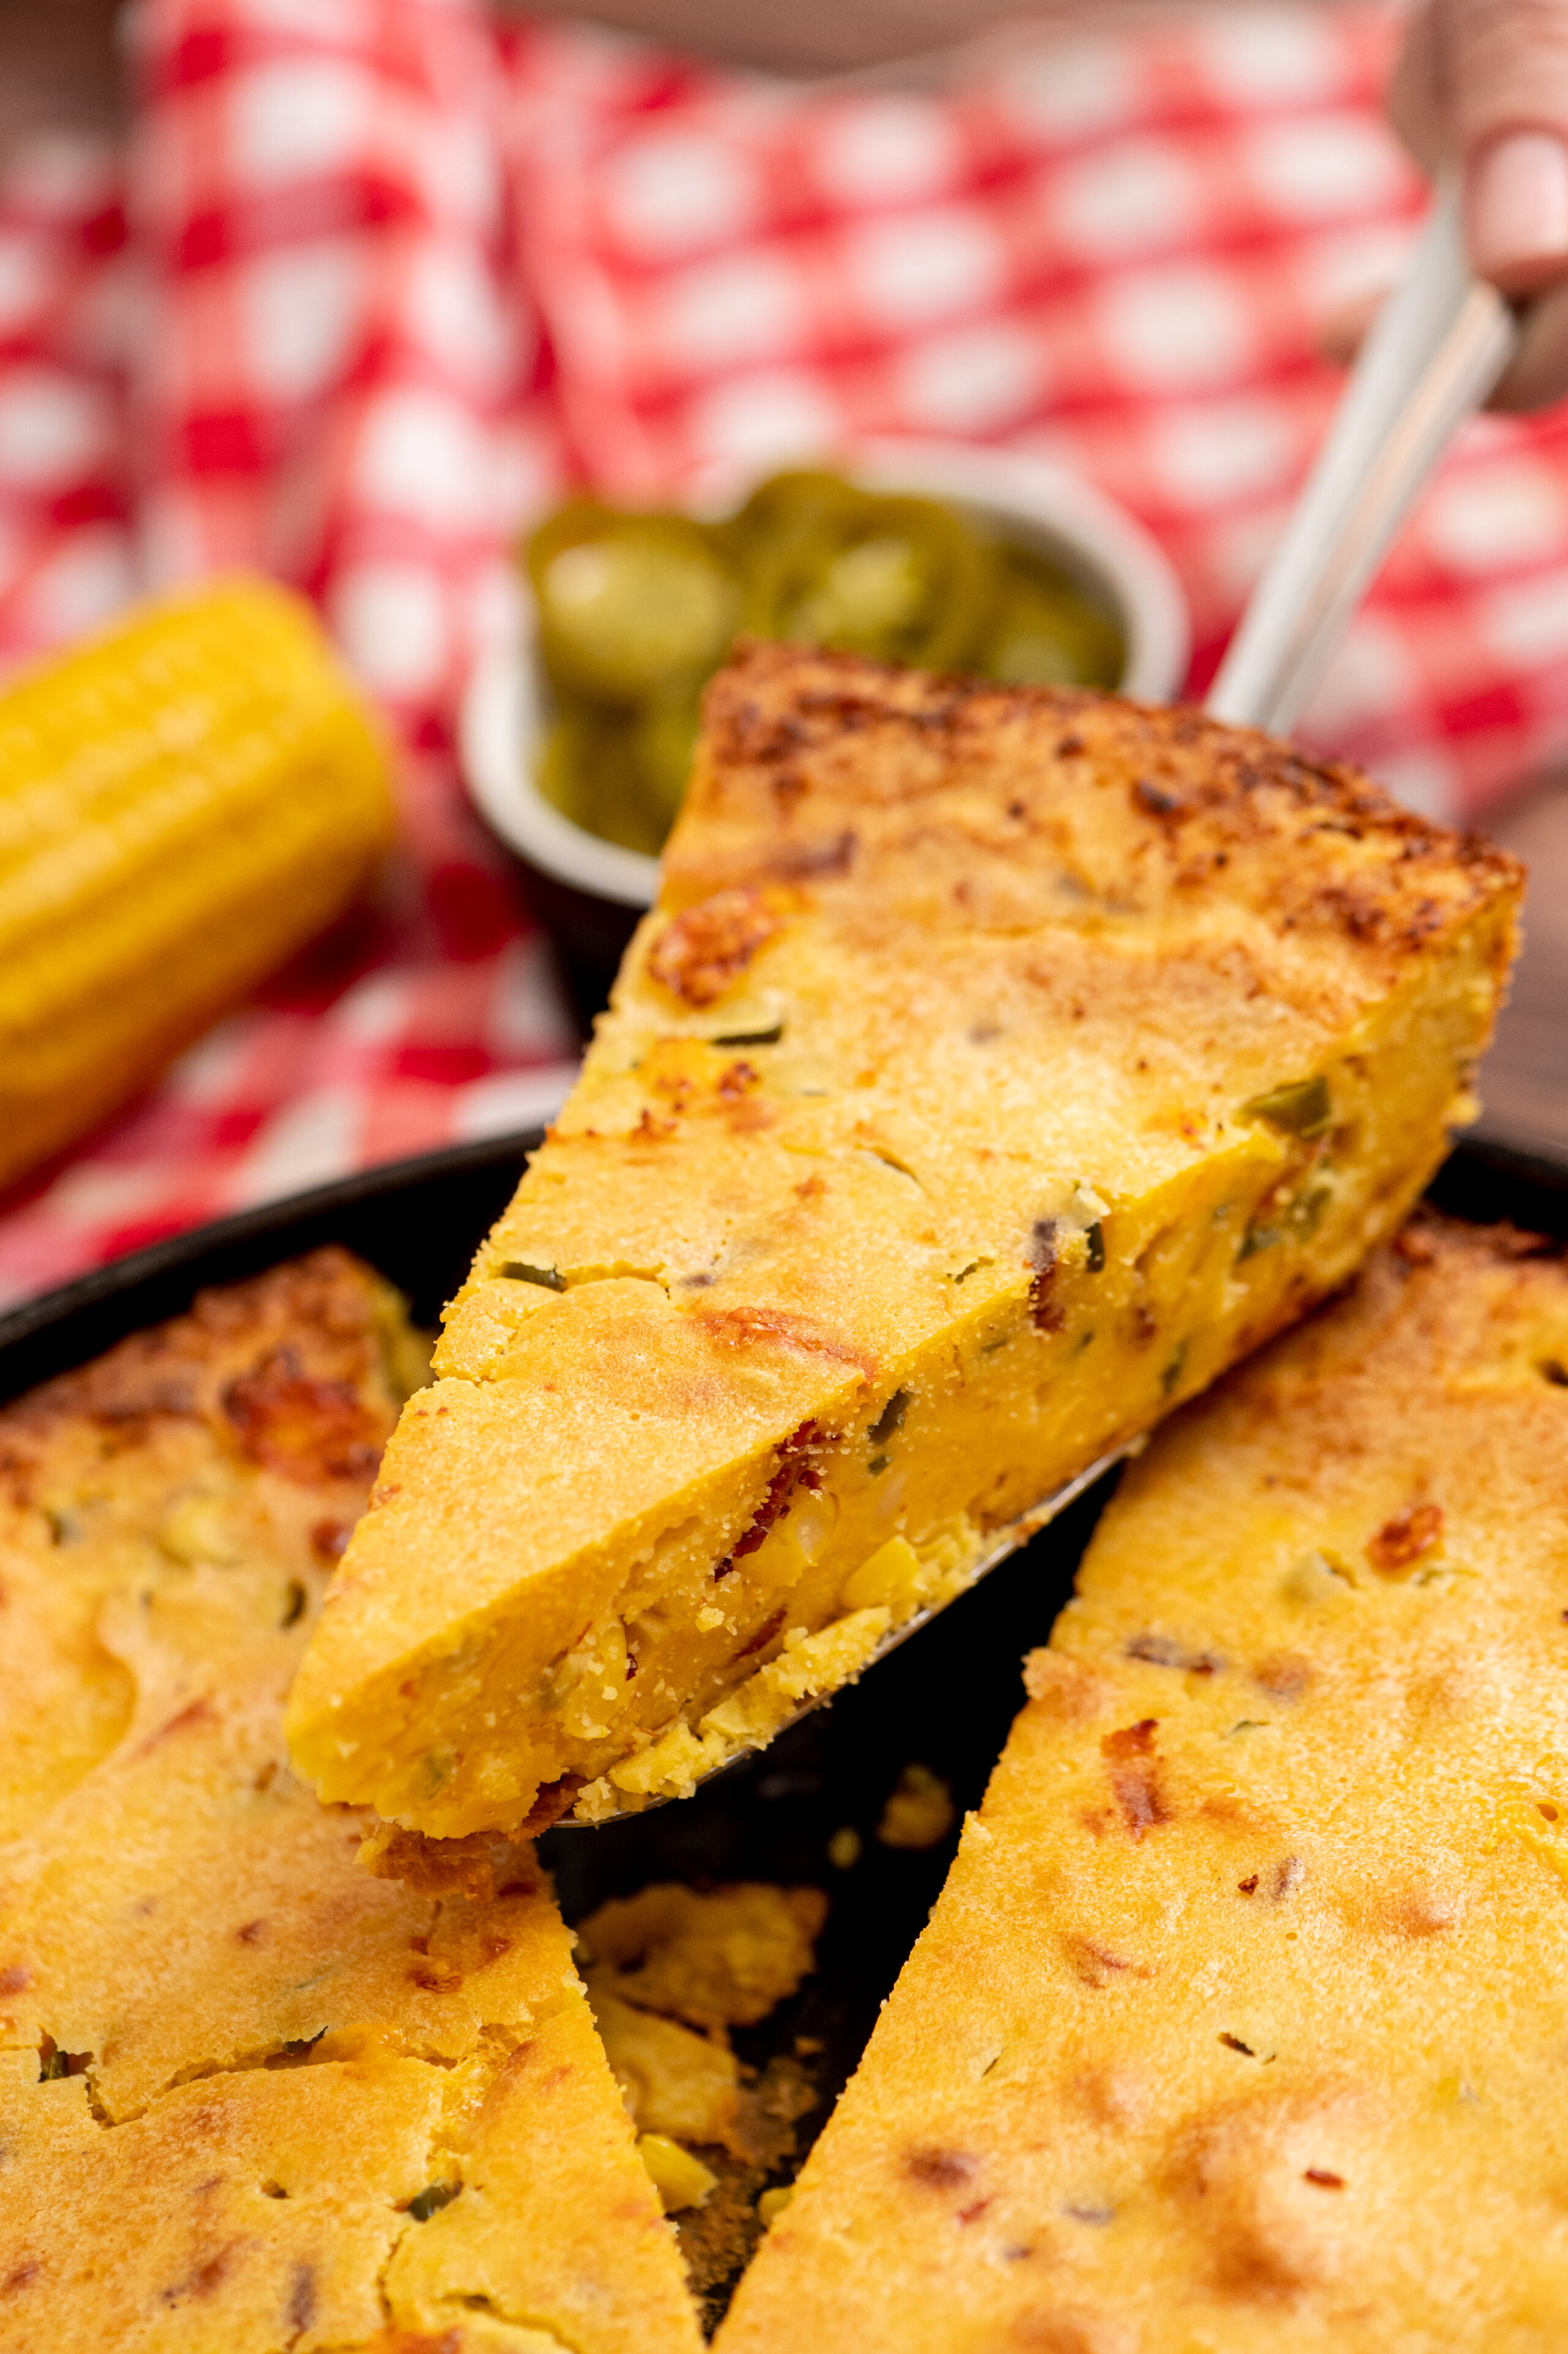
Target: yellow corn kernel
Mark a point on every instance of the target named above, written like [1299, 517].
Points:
[681, 2180]
[890, 1576]
[196, 1528]
[772, 2203]
[184, 801]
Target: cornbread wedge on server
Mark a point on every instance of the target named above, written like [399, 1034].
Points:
[1239, 2023]
[997, 1066]
[250, 2097]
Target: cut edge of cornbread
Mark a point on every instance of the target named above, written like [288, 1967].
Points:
[997, 1066]
[1238, 2021]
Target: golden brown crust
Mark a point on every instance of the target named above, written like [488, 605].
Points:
[827, 770]
[277, 1368]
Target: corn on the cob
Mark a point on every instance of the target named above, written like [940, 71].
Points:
[184, 801]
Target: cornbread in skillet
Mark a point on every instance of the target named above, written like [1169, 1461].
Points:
[997, 1066]
[1239, 2023]
[250, 2097]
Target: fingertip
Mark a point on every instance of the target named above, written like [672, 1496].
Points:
[1516, 210]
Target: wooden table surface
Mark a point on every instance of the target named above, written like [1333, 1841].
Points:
[1524, 1080]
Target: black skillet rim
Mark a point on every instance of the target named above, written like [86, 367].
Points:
[58, 1329]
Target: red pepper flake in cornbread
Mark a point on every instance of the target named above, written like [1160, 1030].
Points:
[1042, 1262]
[1402, 1542]
[944, 2170]
[702, 953]
[1129, 1763]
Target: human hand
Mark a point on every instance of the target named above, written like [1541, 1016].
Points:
[1482, 85]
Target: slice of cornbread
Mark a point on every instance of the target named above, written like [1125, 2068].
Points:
[250, 2097]
[997, 1066]
[1239, 2023]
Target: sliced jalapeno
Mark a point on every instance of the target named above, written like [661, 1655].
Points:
[1304, 1109]
[901, 580]
[630, 604]
[519, 1270]
[1049, 632]
[636, 609]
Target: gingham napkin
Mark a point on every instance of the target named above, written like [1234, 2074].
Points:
[377, 277]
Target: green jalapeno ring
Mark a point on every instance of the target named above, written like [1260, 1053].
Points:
[822, 561]
[636, 610]
[1049, 629]
[630, 605]
[1304, 1108]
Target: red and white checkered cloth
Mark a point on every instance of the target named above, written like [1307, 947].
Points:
[377, 277]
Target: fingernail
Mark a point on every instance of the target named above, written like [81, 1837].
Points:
[1517, 205]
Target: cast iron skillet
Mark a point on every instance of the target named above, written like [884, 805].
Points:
[946, 1699]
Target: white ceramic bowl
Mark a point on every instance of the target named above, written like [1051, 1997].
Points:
[1025, 499]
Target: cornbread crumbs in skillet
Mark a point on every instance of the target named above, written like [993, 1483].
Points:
[669, 1973]
[997, 1066]
[252, 2097]
[1238, 2024]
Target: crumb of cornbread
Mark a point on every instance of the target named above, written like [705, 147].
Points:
[720, 1957]
[997, 1066]
[1239, 2021]
[251, 2096]
[919, 1812]
[668, 1972]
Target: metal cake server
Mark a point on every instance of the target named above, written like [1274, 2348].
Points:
[1439, 344]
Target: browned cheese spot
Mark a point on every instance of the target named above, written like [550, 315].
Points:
[329, 1541]
[1284, 1675]
[702, 952]
[745, 1327]
[309, 1430]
